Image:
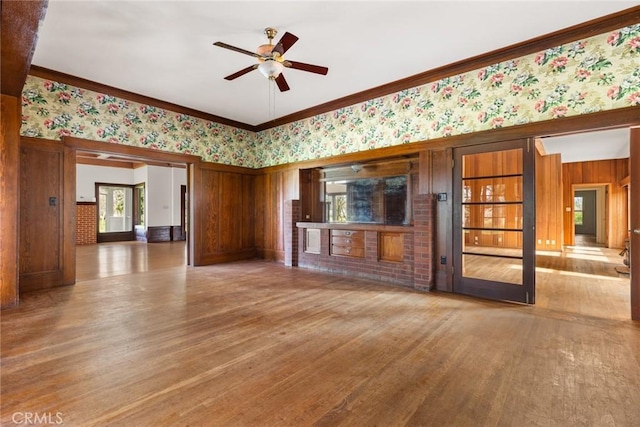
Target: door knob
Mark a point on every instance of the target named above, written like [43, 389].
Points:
[636, 230]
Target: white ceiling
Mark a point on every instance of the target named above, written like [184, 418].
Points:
[584, 147]
[163, 49]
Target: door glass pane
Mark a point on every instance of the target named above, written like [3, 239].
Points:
[115, 209]
[492, 215]
[492, 242]
[507, 270]
[497, 189]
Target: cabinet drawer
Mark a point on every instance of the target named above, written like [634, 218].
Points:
[347, 251]
[356, 241]
[347, 233]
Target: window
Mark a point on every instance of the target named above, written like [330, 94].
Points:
[138, 202]
[577, 210]
[114, 208]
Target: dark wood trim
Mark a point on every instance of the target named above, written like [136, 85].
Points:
[220, 167]
[634, 212]
[157, 234]
[69, 212]
[126, 150]
[587, 29]
[196, 198]
[357, 226]
[9, 198]
[20, 23]
[40, 280]
[184, 209]
[177, 233]
[228, 257]
[86, 203]
[106, 163]
[48, 74]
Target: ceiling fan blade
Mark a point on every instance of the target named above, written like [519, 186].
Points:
[236, 49]
[241, 72]
[307, 67]
[286, 41]
[282, 83]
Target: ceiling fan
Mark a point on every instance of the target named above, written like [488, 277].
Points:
[271, 60]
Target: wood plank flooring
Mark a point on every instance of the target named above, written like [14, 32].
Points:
[257, 344]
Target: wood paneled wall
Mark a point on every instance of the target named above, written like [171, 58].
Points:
[609, 172]
[226, 215]
[45, 217]
[9, 198]
[272, 189]
[549, 231]
[311, 195]
[436, 177]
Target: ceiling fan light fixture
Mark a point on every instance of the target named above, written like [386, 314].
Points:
[270, 69]
[264, 50]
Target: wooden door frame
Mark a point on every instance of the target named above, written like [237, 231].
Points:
[184, 206]
[115, 236]
[589, 186]
[72, 145]
[490, 288]
[634, 213]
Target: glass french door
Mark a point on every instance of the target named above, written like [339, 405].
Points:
[115, 212]
[494, 221]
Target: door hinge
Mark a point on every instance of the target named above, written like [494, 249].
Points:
[528, 145]
[527, 297]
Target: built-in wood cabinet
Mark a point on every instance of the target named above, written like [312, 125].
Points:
[311, 195]
[347, 243]
[391, 246]
[376, 251]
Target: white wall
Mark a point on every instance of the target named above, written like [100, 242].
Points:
[159, 196]
[162, 185]
[179, 178]
[88, 175]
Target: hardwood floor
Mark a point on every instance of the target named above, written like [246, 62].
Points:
[114, 259]
[257, 344]
[584, 281]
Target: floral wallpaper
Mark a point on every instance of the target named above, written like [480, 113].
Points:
[595, 74]
[52, 110]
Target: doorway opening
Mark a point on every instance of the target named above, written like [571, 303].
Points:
[115, 209]
[588, 219]
[590, 215]
[143, 222]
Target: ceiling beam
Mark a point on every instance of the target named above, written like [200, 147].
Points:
[20, 23]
